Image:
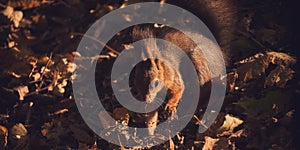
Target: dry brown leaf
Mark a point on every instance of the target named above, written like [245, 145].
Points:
[231, 79]
[59, 89]
[22, 90]
[26, 4]
[36, 76]
[256, 65]
[279, 76]
[18, 131]
[45, 128]
[45, 60]
[121, 115]
[281, 58]
[209, 143]
[237, 134]
[12, 15]
[3, 136]
[253, 67]
[11, 44]
[229, 124]
[171, 144]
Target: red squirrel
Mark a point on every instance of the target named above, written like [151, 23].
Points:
[155, 73]
[152, 75]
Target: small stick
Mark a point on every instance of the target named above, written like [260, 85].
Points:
[2, 5]
[253, 39]
[199, 122]
[99, 41]
[28, 113]
[37, 91]
[43, 71]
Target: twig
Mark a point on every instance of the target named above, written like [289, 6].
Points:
[199, 122]
[4, 116]
[37, 91]
[99, 41]
[54, 82]
[28, 116]
[2, 5]
[43, 71]
[289, 142]
[252, 38]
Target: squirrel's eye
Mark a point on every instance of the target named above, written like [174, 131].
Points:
[156, 82]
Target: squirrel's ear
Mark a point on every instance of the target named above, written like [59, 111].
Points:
[158, 64]
[143, 56]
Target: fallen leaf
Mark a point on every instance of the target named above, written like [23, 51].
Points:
[3, 136]
[256, 66]
[12, 15]
[45, 128]
[121, 115]
[279, 76]
[27, 4]
[22, 90]
[237, 134]
[209, 143]
[231, 79]
[229, 124]
[11, 44]
[36, 76]
[252, 67]
[18, 131]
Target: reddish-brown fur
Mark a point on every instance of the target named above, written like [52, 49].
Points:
[164, 66]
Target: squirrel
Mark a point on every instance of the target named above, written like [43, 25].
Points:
[163, 71]
[153, 74]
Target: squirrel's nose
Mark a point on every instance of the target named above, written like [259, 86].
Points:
[149, 98]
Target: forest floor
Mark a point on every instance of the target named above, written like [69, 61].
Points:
[38, 42]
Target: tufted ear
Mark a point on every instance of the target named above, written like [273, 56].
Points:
[159, 64]
[153, 64]
[143, 56]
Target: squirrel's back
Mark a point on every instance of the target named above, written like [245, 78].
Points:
[204, 53]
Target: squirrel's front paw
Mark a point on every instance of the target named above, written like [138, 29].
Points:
[170, 111]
